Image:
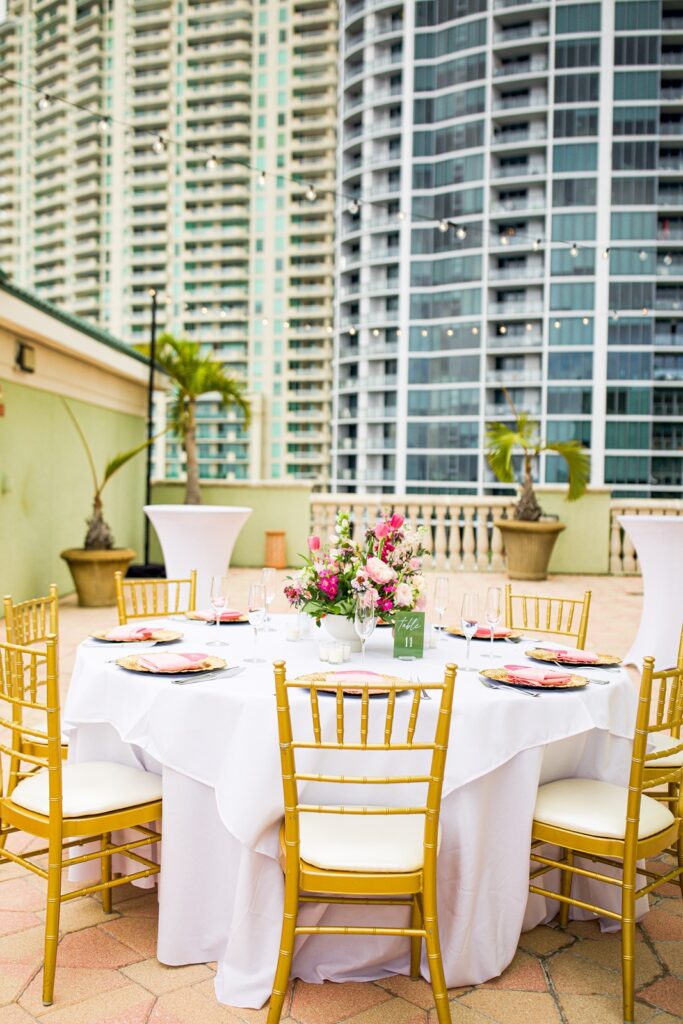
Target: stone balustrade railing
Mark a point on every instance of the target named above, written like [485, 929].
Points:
[622, 555]
[460, 532]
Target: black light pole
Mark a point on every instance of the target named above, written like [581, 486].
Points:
[150, 412]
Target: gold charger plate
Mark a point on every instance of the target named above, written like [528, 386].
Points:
[456, 631]
[500, 675]
[161, 636]
[211, 622]
[319, 681]
[543, 654]
[210, 663]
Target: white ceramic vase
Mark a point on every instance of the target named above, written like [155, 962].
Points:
[342, 629]
[197, 537]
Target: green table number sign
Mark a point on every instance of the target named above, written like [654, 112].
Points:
[409, 634]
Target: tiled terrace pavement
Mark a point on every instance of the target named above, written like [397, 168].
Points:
[107, 972]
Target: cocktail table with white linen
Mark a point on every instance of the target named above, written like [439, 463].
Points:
[216, 745]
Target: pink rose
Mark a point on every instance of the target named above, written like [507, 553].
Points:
[396, 521]
[381, 530]
[404, 595]
[313, 543]
[379, 571]
[421, 603]
[415, 564]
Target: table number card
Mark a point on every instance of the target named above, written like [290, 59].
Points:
[409, 633]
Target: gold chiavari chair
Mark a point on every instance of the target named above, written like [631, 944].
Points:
[560, 616]
[619, 825]
[362, 855]
[651, 773]
[66, 805]
[143, 599]
[31, 622]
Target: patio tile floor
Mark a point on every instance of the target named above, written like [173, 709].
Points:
[107, 972]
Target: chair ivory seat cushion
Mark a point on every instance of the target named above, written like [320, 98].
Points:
[672, 761]
[91, 787]
[363, 842]
[596, 808]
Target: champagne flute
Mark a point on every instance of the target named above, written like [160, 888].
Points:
[494, 611]
[218, 600]
[441, 588]
[256, 613]
[268, 581]
[469, 618]
[364, 620]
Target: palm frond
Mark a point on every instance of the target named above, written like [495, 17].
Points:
[122, 458]
[84, 440]
[578, 465]
[500, 443]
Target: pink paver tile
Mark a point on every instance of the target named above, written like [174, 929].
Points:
[16, 921]
[92, 947]
[23, 947]
[507, 1007]
[21, 894]
[524, 973]
[13, 980]
[666, 993]
[140, 933]
[15, 1015]
[418, 991]
[662, 926]
[129, 1005]
[72, 985]
[188, 1006]
[329, 1002]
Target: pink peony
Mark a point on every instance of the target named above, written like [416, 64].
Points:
[404, 595]
[313, 543]
[396, 521]
[421, 603]
[382, 530]
[379, 571]
[415, 564]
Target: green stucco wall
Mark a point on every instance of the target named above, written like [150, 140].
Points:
[583, 547]
[276, 507]
[46, 486]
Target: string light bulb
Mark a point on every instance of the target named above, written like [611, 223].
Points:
[353, 207]
[45, 102]
[286, 324]
[556, 325]
[605, 254]
[158, 146]
[311, 194]
[103, 124]
[668, 260]
[375, 333]
[475, 330]
[262, 179]
[352, 331]
[574, 251]
[615, 314]
[399, 332]
[443, 226]
[204, 310]
[264, 321]
[502, 329]
[449, 332]
[423, 332]
[529, 327]
[504, 240]
[461, 233]
[645, 311]
[400, 215]
[585, 321]
[211, 162]
[642, 255]
[536, 244]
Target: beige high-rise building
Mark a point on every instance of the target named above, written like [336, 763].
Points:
[164, 192]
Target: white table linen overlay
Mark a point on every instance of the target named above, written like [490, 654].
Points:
[658, 541]
[215, 743]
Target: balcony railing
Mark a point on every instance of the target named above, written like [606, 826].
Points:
[622, 554]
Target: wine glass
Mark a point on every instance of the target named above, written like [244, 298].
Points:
[268, 581]
[219, 601]
[364, 620]
[469, 619]
[256, 613]
[441, 588]
[494, 611]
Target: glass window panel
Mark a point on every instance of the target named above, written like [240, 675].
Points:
[444, 402]
[572, 331]
[570, 365]
[641, 14]
[570, 400]
[563, 264]
[575, 191]
[573, 227]
[627, 435]
[636, 85]
[634, 224]
[580, 156]
[629, 366]
[577, 18]
[444, 369]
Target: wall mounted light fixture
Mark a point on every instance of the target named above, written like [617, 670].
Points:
[25, 357]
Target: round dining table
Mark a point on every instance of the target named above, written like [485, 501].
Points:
[215, 743]
[658, 541]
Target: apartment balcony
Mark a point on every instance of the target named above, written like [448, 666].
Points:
[515, 308]
[530, 376]
[534, 66]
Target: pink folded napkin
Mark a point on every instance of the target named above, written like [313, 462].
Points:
[129, 633]
[574, 654]
[227, 615]
[499, 631]
[536, 676]
[163, 662]
[355, 678]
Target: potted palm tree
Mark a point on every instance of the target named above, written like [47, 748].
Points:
[192, 535]
[530, 536]
[93, 566]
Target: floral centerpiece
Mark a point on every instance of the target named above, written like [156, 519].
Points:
[386, 566]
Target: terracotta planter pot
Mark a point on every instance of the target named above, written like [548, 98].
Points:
[528, 547]
[93, 573]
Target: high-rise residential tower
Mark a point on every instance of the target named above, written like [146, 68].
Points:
[164, 192]
[548, 140]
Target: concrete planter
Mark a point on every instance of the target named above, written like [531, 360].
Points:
[528, 547]
[93, 573]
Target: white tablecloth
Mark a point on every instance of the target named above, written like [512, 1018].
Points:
[215, 743]
[658, 541]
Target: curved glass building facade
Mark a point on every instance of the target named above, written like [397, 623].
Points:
[548, 140]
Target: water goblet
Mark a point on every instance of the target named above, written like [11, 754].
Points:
[441, 588]
[365, 620]
[218, 600]
[494, 611]
[469, 619]
[256, 613]
[268, 581]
